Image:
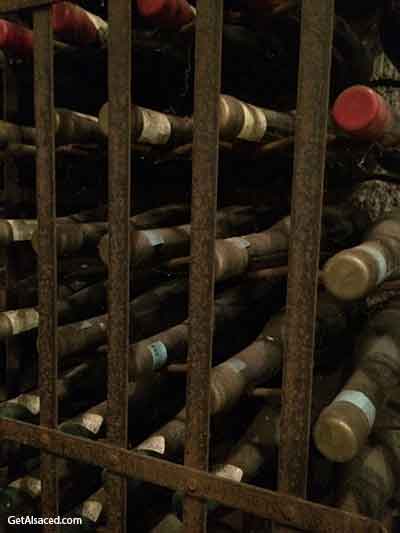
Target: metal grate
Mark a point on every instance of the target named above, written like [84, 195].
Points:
[287, 507]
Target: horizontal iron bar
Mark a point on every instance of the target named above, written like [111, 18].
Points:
[279, 507]
[15, 5]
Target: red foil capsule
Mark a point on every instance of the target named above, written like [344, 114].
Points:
[74, 25]
[363, 113]
[171, 14]
[15, 39]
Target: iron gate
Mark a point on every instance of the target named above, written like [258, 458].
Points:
[288, 506]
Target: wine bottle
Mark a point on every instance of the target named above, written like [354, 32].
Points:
[152, 311]
[369, 481]
[22, 497]
[91, 298]
[231, 306]
[16, 230]
[71, 128]
[238, 121]
[149, 247]
[77, 388]
[355, 272]
[237, 255]
[171, 14]
[82, 236]
[365, 115]
[343, 426]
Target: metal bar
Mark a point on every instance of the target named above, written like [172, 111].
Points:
[209, 22]
[12, 187]
[15, 5]
[119, 180]
[47, 259]
[281, 508]
[307, 193]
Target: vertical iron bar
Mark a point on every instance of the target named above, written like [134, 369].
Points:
[204, 202]
[47, 262]
[12, 188]
[307, 194]
[119, 178]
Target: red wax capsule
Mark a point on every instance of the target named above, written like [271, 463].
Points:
[167, 13]
[74, 25]
[15, 39]
[362, 113]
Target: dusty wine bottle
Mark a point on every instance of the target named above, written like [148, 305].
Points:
[75, 236]
[71, 128]
[231, 305]
[76, 482]
[152, 311]
[353, 273]
[370, 480]
[149, 247]
[238, 121]
[343, 426]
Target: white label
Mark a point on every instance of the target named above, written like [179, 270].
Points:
[86, 117]
[159, 353]
[28, 484]
[360, 400]
[29, 401]
[230, 472]
[92, 422]
[153, 444]
[236, 364]
[378, 258]
[156, 127]
[254, 123]
[92, 510]
[240, 242]
[154, 237]
[22, 230]
[22, 319]
[86, 324]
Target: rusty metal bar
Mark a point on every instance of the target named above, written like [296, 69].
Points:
[307, 192]
[119, 190]
[209, 23]
[47, 262]
[281, 508]
[15, 5]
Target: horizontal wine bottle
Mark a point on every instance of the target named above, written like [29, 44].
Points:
[355, 272]
[16, 230]
[89, 300]
[238, 121]
[77, 388]
[364, 114]
[150, 247]
[79, 299]
[71, 128]
[74, 236]
[22, 497]
[152, 311]
[343, 426]
[237, 255]
[231, 306]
